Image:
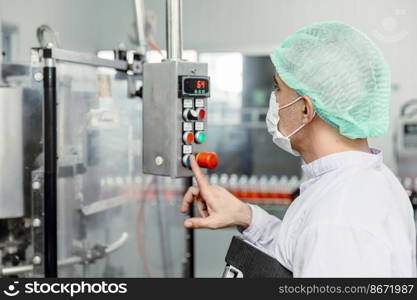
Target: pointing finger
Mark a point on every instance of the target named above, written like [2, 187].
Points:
[199, 176]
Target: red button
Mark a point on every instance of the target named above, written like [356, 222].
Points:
[207, 160]
[201, 114]
[188, 137]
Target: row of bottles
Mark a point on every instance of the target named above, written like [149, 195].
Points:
[256, 189]
[259, 189]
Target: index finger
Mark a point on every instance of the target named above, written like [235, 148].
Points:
[199, 176]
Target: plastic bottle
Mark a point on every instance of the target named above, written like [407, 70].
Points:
[253, 186]
[243, 187]
[233, 185]
[273, 187]
[223, 180]
[263, 189]
[214, 179]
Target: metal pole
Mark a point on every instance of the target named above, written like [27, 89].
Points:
[140, 26]
[1, 56]
[50, 186]
[174, 29]
[190, 238]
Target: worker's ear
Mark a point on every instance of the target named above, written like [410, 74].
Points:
[308, 110]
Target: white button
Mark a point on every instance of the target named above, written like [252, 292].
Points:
[199, 126]
[187, 149]
[199, 102]
[188, 103]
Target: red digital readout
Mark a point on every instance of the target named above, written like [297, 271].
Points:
[201, 84]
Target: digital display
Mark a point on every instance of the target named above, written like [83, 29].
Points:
[195, 86]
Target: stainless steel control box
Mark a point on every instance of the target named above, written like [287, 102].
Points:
[166, 102]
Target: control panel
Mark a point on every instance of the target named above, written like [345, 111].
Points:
[175, 99]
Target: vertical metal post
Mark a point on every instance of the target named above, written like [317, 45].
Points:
[1, 56]
[50, 186]
[140, 26]
[174, 29]
[190, 237]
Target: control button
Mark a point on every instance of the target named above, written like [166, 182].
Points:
[200, 137]
[186, 160]
[207, 160]
[199, 126]
[190, 115]
[201, 113]
[199, 102]
[188, 137]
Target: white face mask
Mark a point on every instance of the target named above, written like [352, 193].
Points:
[272, 119]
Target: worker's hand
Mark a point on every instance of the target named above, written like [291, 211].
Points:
[218, 207]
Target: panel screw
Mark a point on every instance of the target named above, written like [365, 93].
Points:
[36, 222]
[159, 160]
[37, 260]
[36, 185]
[38, 76]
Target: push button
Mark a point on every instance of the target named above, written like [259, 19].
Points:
[186, 161]
[188, 137]
[201, 114]
[207, 160]
[200, 137]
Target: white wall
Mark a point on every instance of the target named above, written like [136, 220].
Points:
[83, 25]
[250, 26]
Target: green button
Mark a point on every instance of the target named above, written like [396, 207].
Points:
[200, 137]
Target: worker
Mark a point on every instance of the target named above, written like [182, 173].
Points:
[352, 217]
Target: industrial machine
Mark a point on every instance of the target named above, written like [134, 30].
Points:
[406, 148]
[78, 133]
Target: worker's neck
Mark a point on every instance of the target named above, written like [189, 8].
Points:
[328, 142]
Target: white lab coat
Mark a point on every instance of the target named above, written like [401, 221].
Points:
[352, 219]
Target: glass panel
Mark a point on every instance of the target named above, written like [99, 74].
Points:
[103, 197]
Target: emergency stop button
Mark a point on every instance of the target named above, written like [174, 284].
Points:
[207, 160]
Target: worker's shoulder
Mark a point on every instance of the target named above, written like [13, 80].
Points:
[361, 191]
[363, 182]
[370, 199]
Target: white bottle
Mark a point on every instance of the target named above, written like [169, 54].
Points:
[408, 185]
[223, 180]
[273, 187]
[263, 188]
[253, 187]
[233, 184]
[214, 179]
[293, 184]
[243, 187]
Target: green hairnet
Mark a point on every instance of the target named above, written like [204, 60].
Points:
[344, 74]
